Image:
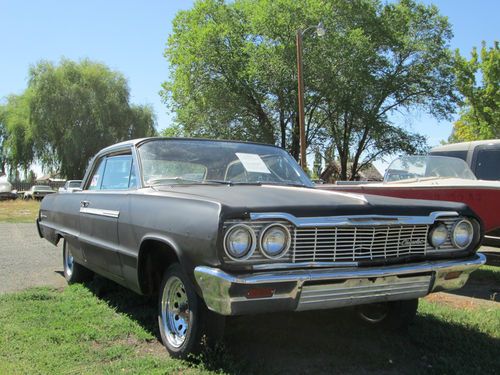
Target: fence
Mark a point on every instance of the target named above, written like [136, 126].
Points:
[23, 186]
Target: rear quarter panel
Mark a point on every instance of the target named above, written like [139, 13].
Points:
[59, 217]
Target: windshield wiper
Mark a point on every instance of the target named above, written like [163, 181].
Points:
[187, 181]
[260, 183]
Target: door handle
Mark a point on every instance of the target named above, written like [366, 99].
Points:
[84, 204]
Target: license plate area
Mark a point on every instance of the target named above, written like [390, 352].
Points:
[351, 292]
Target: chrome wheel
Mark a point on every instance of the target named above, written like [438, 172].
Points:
[374, 313]
[68, 261]
[175, 313]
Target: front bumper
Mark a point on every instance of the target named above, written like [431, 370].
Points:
[312, 289]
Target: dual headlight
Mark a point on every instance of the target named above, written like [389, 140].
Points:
[461, 234]
[240, 241]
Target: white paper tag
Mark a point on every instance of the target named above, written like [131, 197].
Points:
[252, 163]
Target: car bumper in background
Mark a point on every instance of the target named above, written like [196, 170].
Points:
[297, 290]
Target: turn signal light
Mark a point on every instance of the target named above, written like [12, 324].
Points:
[260, 293]
[452, 275]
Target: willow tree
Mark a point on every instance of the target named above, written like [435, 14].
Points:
[77, 108]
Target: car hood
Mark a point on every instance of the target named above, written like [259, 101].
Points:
[237, 200]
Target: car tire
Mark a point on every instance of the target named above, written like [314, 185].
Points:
[184, 321]
[393, 316]
[74, 272]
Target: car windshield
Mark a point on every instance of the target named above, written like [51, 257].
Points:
[74, 184]
[177, 161]
[427, 167]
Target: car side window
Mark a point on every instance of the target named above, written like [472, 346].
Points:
[96, 180]
[487, 164]
[117, 173]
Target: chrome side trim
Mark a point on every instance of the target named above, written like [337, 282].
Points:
[100, 212]
[358, 220]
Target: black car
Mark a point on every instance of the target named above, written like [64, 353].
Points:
[217, 228]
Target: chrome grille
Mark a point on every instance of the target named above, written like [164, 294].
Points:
[349, 243]
[352, 244]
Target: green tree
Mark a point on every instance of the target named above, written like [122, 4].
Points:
[3, 138]
[480, 101]
[233, 73]
[17, 138]
[77, 108]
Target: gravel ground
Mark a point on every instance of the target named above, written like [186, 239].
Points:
[27, 260]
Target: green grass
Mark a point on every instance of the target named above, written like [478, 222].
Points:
[52, 332]
[102, 328]
[490, 274]
[19, 211]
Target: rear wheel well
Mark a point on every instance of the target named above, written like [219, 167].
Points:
[154, 258]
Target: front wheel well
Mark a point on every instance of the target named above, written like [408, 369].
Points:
[154, 258]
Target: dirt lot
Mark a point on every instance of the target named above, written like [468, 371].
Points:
[26, 260]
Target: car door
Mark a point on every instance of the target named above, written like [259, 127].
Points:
[103, 198]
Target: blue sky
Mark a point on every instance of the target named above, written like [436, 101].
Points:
[130, 36]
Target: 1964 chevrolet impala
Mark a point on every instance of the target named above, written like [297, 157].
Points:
[219, 228]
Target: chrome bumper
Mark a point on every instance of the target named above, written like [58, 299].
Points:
[297, 290]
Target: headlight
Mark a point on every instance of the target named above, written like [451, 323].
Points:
[462, 234]
[240, 242]
[438, 235]
[275, 241]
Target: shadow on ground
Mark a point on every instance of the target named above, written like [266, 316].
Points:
[483, 283]
[326, 342]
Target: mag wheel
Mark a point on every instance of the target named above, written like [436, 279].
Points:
[74, 272]
[184, 320]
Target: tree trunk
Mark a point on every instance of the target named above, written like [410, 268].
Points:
[282, 128]
[295, 147]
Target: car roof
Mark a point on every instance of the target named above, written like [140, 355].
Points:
[464, 146]
[138, 141]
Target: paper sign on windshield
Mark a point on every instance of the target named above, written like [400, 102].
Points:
[252, 163]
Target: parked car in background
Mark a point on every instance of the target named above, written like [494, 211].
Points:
[70, 186]
[38, 192]
[438, 178]
[218, 228]
[483, 157]
[6, 191]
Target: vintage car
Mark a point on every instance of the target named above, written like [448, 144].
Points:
[70, 186]
[38, 192]
[483, 157]
[218, 228]
[6, 191]
[440, 178]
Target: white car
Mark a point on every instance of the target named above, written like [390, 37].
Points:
[38, 192]
[6, 191]
[70, 186]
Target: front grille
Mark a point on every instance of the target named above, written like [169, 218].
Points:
[351, 243]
